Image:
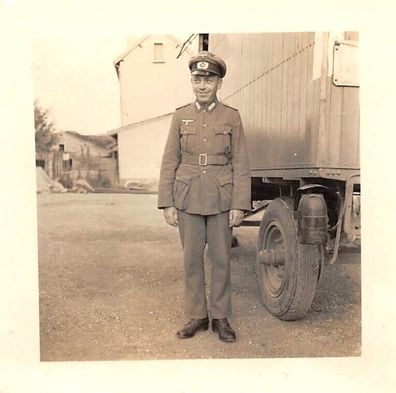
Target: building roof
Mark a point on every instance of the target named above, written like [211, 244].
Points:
[137, 124]
[139, 42]
[103, 142]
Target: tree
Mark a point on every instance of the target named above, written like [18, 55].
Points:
[45, 134]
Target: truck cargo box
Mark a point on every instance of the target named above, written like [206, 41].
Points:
[298, 97]
[299, 100]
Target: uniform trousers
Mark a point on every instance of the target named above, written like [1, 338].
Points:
[195, 232]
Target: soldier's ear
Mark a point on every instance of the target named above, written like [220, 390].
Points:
[219, 84]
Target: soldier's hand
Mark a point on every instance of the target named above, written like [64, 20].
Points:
[235, 217]
[170, 214]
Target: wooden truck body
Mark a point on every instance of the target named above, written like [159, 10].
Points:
[298, 97]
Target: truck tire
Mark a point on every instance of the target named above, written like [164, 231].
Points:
[287, 270]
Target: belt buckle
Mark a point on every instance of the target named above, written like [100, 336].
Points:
[203, 157]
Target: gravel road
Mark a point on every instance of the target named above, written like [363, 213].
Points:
[111, 288]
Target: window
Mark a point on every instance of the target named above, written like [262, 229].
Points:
[158, 52]
[40, 163]
[203, 42]
[62, 148]
[67, 165]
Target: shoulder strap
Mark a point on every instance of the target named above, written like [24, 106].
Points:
[228, 106]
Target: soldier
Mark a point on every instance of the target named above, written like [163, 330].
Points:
[204, 190]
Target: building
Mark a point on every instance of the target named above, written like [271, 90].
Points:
[154, 81]
[151, 78]
[91, 157]
[140, 148]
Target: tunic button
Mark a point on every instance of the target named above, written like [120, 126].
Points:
[203, 171]
[204, 125]
[205, 140]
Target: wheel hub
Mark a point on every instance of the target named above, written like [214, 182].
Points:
[272, 257]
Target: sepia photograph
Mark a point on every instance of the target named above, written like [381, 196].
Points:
[198, 196]
[181, 200]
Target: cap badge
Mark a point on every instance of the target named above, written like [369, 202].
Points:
[203, 65]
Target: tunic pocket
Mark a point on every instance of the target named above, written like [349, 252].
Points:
[225, 192]
[223, 138]
[188, 135]
[181, 186]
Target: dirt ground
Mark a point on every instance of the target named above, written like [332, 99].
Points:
[111, 288]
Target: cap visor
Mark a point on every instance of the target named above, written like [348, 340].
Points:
[204, 73]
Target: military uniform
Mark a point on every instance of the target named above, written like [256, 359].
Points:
[205, 173]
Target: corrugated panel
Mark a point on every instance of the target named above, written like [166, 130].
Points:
[269, 80]
[315, 112]
[277, 88]
[303, 147]
[285, 91]
[350, 138]
[287, 160]
[296, 159]
[335, 100]
[263, 107]
[310, 135]
[342, 127]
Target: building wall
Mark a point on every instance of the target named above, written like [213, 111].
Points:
[51, 162]
[140, 150]
[80, 160]
[101, 172]
[150, 88]
[74, 145]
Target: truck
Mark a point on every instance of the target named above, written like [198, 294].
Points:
[298, 96]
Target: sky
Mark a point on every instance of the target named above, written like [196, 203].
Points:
[75, 79]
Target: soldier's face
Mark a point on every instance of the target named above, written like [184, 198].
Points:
[205, 87]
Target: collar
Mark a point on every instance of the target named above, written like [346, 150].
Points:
[207, 108]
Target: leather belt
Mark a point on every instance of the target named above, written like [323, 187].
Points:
[204, 159]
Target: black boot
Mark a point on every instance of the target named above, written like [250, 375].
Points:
[226, 333]
[192, 327]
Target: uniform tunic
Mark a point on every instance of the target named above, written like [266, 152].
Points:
[204, 194]
[210, 189]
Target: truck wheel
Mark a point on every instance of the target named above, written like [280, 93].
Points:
[287, 270]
